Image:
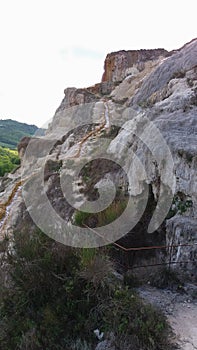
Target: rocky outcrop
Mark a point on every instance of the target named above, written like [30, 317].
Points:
[173, 67]
[74, 97]
[103, 88]
[167, 94]
[10, 200]
[122, 63]
[145, 108]
[181, 237]
[22, 145]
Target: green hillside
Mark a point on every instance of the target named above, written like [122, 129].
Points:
[12, 131]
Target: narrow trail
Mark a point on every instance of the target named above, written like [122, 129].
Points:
[181, 312]
[184, 323]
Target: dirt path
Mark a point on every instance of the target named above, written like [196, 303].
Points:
[181, 311]
[184, 323]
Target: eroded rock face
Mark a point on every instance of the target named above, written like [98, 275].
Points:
[155, 87]
[174, 66]
[74, 97]
[23, 145]
[168, 95]
[122, 63]
[181, 235]
[102, 89]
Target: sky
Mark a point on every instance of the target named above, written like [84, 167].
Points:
[48, 45]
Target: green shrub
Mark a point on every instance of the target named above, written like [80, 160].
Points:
[102, 218]
[180, 205]
[126, 314]
[9, 160]
[87, 255]
[59, 295]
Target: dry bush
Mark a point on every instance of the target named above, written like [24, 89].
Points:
[98, 271]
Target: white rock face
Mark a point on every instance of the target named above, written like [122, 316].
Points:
[181, 231]
[170, 93]
[148, 124]
[174, 66]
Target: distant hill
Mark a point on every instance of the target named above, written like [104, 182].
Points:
[12, 131]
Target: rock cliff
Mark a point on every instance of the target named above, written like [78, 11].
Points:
[145, 109]
[118, 65]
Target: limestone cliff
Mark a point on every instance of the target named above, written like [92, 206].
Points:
[145, 108]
